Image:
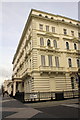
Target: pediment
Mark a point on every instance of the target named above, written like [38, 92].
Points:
[51, 35]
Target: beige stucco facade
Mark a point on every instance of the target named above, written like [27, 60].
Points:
[59, 63]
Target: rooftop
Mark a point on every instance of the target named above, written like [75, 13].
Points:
[59, 19]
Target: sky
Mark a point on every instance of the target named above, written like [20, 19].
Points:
[13, 16]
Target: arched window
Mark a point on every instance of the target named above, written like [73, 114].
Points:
[67, 45]
[55, 43]
[48, 43]
[69, 62]
[41, 41]
[78, 63]
[75, 47]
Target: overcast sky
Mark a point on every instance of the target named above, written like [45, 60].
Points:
[14, 17]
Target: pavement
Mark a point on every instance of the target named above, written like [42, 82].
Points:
[13, 109]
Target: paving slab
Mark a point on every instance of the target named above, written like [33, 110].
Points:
[26, 113]
[14, 109]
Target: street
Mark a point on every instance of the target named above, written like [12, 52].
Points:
[13, 109]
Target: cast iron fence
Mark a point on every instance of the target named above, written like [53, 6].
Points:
[59, 95]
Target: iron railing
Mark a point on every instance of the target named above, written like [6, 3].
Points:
[38, 96]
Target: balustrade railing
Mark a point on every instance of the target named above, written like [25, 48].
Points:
[51, 68]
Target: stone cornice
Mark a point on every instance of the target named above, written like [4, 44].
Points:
[48, 34]
[54, 15]
[57, 21]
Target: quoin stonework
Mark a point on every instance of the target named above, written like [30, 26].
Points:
[48, 55]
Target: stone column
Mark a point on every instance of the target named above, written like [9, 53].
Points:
[14, 88]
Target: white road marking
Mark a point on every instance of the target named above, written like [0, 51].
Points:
[72, 105]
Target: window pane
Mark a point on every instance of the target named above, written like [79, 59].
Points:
[41, 41]
[47, 28]
[48, 43]
[50, 60]
[55, 43]
[75, 47]
[57, 61]
[72, 33]
[78, 62]
[40, 26]
[69, 62]
[79, 35]
[42, 60]
[53, 29]
[67, 45]
[65, 31]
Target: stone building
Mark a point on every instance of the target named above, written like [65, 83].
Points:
[7, 85]
[48, 54]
